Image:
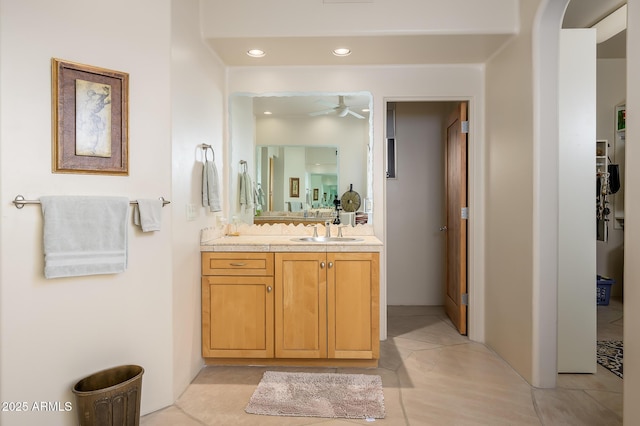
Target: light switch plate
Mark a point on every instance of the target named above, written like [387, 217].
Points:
[192, 212]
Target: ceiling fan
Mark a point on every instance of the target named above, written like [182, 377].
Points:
[340, 109]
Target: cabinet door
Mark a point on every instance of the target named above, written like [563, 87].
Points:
[353, 305]
[237, 317]
[300, 305]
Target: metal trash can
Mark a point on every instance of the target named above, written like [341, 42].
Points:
[110, 397]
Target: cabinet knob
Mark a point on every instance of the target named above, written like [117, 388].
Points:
[269, 288]
[321, 265]
[330, 264]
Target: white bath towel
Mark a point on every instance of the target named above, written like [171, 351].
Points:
[84, 235]
[148, 215]
[210, 186]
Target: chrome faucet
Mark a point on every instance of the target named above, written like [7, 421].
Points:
[327, 227]
[315, 230]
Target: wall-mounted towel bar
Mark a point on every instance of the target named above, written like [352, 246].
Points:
[19, 201]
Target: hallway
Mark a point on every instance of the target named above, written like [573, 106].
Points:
[431, 376]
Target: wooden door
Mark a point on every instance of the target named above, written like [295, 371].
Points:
[237, 317]
[270, 189]
[301, 305]
[456, 226]
[353, 305]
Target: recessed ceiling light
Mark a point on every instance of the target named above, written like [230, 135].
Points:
[267, 113]
[342, 51]
[256, 53]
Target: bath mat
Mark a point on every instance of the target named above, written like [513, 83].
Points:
[609, 355]
[330, 395]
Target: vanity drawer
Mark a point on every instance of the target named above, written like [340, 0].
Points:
[235, 263]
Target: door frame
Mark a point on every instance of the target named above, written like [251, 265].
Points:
[475, 223]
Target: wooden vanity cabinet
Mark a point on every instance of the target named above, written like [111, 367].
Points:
[237, 305]
[327, 305]
[291, 308]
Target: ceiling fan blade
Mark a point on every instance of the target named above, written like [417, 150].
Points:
[356, 114]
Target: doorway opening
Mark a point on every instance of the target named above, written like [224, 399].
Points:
[607, 59]
[426, 206]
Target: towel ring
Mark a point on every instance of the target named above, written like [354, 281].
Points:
[206, 148]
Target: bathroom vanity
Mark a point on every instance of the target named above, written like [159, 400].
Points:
[279, 300]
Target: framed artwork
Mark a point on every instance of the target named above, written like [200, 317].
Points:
[621, 118]
[294, 187]
[90, 119]
[315, 194]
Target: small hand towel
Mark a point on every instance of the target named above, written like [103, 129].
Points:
[84, 235]
[210, 186]
[147, 214]
[246, 190]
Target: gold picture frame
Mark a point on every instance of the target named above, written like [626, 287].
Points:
[90, 109]
[294, 187]
[315, 194]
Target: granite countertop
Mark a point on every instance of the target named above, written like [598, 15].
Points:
[259, 219]
[285, 238]
[289, 243]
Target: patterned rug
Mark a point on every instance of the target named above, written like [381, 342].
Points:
[609, 355]
[331, 395]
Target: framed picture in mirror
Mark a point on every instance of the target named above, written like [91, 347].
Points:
[315, 194]
[294, 187]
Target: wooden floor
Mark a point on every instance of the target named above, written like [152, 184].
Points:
[431, 376]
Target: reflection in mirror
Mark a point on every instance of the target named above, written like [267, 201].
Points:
[317, 143]
[316, 169]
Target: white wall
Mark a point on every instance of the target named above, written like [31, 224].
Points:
[577, 186]
[242, 131]
[197, 108]
[509, 199]
[611, 91]
[632, 222]
[416, 206]
[55, 332]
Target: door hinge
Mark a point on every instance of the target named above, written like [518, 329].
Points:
[465, 299]
[464, 213]
[465, 126]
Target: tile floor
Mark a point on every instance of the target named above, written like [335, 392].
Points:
[431, 376]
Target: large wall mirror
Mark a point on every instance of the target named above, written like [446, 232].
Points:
[303, 150]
